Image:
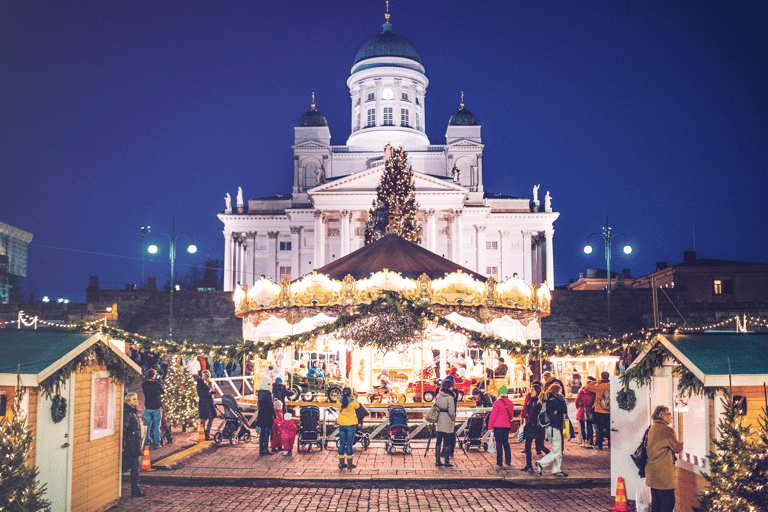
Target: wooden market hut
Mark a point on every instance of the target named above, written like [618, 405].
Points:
[707, 356]
[79, 457]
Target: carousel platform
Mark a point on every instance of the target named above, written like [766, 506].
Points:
[225, 464]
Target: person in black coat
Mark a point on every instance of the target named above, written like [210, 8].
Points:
[132, 440]
[532, 431]
[265, 415]
[558, 412]
[205, 407]
[280, 391]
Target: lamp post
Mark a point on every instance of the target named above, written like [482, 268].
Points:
[607, 234]
[153, 249]
[144, 233]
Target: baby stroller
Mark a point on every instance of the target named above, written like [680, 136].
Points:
[309, 428]
[398, 430]
[166, 436]
[473, 434]
[235, 424]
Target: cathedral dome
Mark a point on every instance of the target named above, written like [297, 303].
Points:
[387, 44]
[312, 118]
[463, 117]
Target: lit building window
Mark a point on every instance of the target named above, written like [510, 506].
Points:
[404, 119]
[285, 246]
[718, 287]
[723, 286]
[285, 273]
[371, 117]
[388, 121]
[102, 405]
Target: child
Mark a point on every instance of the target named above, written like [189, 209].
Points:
[288, 433]
[277, 425]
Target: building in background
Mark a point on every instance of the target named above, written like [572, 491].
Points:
[325, 215]
[13, 262]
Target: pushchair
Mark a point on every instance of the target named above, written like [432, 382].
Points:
[166, 436]
[235, 424]
[473, 434]
[309, 428]
[398, 430]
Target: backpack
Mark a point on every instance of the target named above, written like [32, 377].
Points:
[544, 419]
[605, 400]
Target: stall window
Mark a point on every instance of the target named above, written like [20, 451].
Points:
[102, 405]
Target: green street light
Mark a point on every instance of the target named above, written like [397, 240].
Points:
[607, 234]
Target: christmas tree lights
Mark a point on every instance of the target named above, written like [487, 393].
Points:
[180, 397]
[396, 194]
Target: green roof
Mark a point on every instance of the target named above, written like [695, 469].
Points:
[387, 44]
[35, 350]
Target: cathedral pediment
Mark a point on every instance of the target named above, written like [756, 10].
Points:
[368, 180]
[464, 144]
[311, 144]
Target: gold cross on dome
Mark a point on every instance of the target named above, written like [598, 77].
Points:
[313, 100]
[462, 99]
[386, 14]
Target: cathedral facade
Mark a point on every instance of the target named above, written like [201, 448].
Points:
[325, 215]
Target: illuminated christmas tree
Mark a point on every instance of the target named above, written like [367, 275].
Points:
[738, 476]
[395, 194]
[19, 489]
[180, 397]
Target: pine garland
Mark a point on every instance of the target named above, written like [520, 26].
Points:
[396, 193]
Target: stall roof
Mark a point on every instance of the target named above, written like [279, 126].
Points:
[398, 255]
[707, 356]
[39, 353]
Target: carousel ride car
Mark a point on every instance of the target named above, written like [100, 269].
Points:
[306, 389]
[426, 389]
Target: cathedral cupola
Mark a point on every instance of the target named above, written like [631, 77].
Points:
[312, 117]
[312, 126]
[462, 125]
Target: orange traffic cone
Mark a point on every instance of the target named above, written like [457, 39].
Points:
[145, 464]
[621, 497]
[201, 434]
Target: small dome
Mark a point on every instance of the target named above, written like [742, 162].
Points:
[463, 117]
[312, 118]
[387, 44]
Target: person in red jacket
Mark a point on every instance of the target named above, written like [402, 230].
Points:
[501, 423]
[584, 401]
[601, 415]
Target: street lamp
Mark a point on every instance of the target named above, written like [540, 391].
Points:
[153, 249]
[608, 235]
[144, 232]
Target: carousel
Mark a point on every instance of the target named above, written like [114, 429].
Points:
[509, 310]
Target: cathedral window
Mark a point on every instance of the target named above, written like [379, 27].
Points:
[492, 271]
[491, 245]
[417, 101]
[285, 246]
[358, 102]
[404, 119]
[388, 121]
[357, 124]
[371, 96]
[371, 117]
[418, 124]
[404, 96]
[285, 273]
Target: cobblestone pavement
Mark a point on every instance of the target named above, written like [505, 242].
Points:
[334, 499]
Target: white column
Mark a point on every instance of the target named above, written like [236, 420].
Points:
[432, 230]
[228, 285]
[480, 250]
[295, 174]
[275, 235]
[252, 267]
[319, 239]
[295, 252]
[458, 237]
[527, 260]
[248, 249]
[345, 214]
[505, 257]
[241, 259]
[550, 276]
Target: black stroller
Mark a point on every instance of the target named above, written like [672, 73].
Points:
[473, 434]
[398, 430]
[235, 425]
[309, 428]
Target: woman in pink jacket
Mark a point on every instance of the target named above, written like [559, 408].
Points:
[501, 423]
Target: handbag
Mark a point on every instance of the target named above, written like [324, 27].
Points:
[432, 415]
[521, 433]
[491, 445]
[640, 456]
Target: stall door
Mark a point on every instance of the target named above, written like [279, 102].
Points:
[627, 429]
[54, 450]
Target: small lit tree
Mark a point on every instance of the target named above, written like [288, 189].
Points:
[396, 194]
[180, 397]
[19, 488]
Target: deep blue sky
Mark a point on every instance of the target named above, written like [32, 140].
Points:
[123, 113]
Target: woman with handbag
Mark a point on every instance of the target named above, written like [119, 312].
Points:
[501, 423]
[445, 423]
[532, 431]
[660, 470]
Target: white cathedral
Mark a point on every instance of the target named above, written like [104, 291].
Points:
[324, 218]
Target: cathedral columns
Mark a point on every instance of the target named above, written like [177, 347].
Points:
[228, 285]
[274, 235]
[527, 260]
[296, 252]
[432, 230]
[480, 250]
[550, 275]
[250, 252]
[505, 256]
[295, 174]
[319, 239]
[458, 237]
[345, 215]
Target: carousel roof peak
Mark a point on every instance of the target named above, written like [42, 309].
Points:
[398, 255]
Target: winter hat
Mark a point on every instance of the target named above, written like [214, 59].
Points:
[278, 405]
[302, 366]
[265, 383]
[278, 380]
[503, 390]
[287, 416]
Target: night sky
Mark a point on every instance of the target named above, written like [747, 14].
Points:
[119, 114]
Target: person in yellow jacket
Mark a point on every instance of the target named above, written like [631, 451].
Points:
[601, 415]
[347, 422]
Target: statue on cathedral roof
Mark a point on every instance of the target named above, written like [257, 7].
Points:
[228, 201]
[536, 193]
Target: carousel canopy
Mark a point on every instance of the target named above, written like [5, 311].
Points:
[398, 255]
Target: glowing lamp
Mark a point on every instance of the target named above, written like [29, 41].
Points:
[627, 249]
[588, 249]
[152, 249]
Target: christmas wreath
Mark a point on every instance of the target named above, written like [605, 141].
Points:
[626, 399]
[58, 408]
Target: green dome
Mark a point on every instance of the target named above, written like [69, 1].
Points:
[463, 117]
[387, 44]
[312, 118]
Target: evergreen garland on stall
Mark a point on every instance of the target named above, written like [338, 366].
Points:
[180, 397]
[19, 488]
[396, 194]
[738, 476]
